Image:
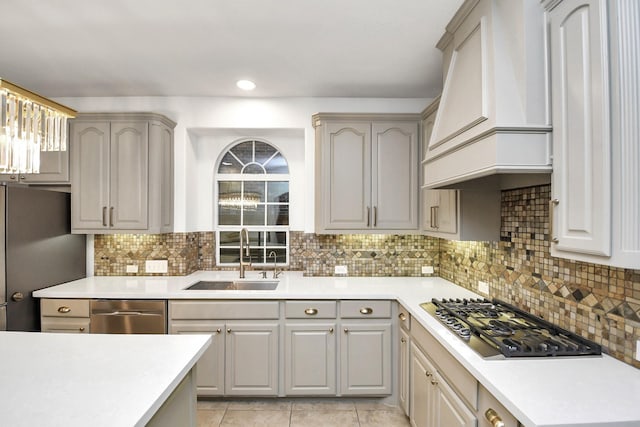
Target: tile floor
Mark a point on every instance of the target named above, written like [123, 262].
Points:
[299, 413]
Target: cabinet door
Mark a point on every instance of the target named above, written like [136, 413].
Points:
[448, 408]
[404, 359]
[365, 357]
[251, 359]
[394, 176]
[310, 359]
[581, 219]
[347, 176]
[441, 211]
[210, 367]
[421, 391]
[89, 147]
[129, 179]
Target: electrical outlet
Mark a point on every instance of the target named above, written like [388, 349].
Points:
[132, 268]
[483, 287]
[427, 269]
[340, 270]
[156, 266]
[638, 350]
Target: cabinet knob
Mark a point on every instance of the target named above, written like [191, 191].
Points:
[402, 340]
[218, 330]
[311, 311]
[492, 416]
[428, 373]
[17, 296]
[366, 310]
[81, 329]
[13, 177]
[229, 330]
[346, 331]
[330, 330]
[402, 316]
[64, 309]
[434, 381]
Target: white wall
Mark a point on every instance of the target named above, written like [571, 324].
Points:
[199, 117]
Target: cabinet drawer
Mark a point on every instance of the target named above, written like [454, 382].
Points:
[65, 307]
[68, 325]
[489, 403]
[365, 309]
[310, 309]
[447, 365]
[404, 318]
[224, 309]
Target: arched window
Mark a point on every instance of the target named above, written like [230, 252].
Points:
[252, 191]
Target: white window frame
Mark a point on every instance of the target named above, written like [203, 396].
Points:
[251, 228]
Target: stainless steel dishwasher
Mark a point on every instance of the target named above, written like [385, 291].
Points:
[128, 316]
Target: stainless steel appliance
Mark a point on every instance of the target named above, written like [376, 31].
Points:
[37, 250]
[128, 317]
[496, 329]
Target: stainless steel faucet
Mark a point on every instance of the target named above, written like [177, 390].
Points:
[244, 245]
[276, 273]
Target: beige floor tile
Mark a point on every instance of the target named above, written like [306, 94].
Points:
[323, 405]
[210, 418]
[262, 418]
[260, 404]
[324, 418]
[391, 418]
[213, 404]
[375, 405]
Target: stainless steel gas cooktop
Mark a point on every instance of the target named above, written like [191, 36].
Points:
[496, 329]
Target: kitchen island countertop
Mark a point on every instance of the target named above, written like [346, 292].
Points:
[540, 392]
[78, 380]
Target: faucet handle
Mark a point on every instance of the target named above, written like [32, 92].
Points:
[263, 274]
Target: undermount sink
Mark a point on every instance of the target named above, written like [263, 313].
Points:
[229, 285]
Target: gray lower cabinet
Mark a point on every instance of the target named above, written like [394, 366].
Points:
[243, 357]
[310, 358]
[404, 358]
[365, 347]
[64, 315]
[433, 401]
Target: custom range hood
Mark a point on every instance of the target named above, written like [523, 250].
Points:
[493, 119]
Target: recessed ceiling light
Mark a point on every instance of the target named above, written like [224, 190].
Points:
[246, 84]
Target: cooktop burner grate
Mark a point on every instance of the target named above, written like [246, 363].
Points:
[495, 327]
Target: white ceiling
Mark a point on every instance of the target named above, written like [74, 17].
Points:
[336, 48]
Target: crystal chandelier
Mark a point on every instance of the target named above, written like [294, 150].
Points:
[29, 123]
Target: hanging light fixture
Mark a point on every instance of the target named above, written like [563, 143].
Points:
[29, 123]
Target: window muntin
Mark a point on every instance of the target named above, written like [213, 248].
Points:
[253, 192]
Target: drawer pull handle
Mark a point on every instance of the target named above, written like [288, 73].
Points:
[402, 317]
[311, 311]
[64, 310]
[366, 310]
[493, 417]
[552, 204]
[428, 373]
[434, 381]
[81, 329]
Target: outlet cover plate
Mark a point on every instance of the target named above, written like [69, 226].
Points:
[427, 269]
[156, 266]
[340, 270]
[483, 287]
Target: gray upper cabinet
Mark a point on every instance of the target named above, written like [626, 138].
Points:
[595, 78]
[54, 169]
[366, 173]
[122, 173]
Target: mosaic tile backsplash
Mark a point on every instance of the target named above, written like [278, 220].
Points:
[598, 302]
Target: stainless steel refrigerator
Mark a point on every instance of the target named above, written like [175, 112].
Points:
[37, 250]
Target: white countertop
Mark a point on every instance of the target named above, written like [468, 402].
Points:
[545, 392]
[79, 380]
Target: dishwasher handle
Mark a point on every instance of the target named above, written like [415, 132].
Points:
[127, 313]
